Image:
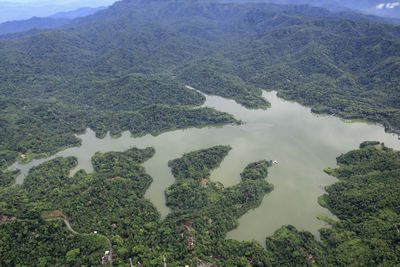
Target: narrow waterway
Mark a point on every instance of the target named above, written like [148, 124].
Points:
[304, 145]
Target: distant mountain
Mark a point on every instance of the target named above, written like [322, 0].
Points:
[33, 23]
[10, 11]
[54, 21]
[80, 12]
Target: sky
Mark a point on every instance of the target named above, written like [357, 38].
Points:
[61, 2]
[25, 9]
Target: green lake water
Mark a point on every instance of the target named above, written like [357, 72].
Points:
[304, 145]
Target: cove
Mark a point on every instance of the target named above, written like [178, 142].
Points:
[304, 145]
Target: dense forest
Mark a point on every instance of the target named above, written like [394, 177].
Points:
[7, 158]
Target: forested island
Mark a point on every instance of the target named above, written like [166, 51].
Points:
[125, 69]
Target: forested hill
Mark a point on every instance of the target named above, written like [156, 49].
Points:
[59, 82]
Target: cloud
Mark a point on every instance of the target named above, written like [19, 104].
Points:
[388, 5]
[392, 5]
[380, 6]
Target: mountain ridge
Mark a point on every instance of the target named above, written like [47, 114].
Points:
[54, 21]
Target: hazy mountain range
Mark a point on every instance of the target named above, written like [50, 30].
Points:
[22, 9]
[53, 21]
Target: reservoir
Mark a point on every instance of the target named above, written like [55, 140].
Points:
[302, 143]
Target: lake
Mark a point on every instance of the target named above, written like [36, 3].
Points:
[304, 144]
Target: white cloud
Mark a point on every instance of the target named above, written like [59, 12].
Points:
[380, 6]
[388, 5]
[392, 5]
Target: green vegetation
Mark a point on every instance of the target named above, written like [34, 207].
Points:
[7, 178]
[256, 170]
[212, 79]
[34, 243]
[291, 247]
[137, 91]
[7, 157]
